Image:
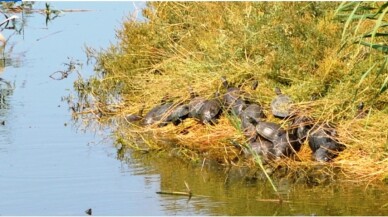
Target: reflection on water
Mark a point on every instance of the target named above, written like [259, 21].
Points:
[237, 191]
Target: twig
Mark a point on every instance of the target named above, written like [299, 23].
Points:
[175, 193]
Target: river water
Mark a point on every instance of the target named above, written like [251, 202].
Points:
[49, 166]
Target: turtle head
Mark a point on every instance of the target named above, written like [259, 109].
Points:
[224, 82]
[252, 120]
[192, 93]
[141, 110]
[278, 91]
[165, 99]
[360, 106]
[254, 84]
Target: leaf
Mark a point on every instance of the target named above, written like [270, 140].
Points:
[376, 35]
[358, 16]
[384, 25]
[382, 48]
[381, 69]
[382, 7]
[344, 6]
[379, 22]
[364, 75]
[349, 20]
[384, 87]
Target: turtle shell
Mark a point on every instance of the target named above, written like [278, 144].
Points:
[302, 125]
[195, 107]
[323, 135]
[133, 118]
[286, 144]
[178, 114]
[254, 111]
[269, 130]
[238, 106]
[210, 111]
[323, 144]
[231, 96]
[281, 106]
[158, 113]
[261, 147]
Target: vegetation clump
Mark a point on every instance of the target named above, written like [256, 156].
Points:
[328, 57]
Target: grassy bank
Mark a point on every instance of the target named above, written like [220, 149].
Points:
[318, 53]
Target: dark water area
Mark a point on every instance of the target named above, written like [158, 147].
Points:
[50, 165]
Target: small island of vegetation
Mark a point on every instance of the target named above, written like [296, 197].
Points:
[329, 58]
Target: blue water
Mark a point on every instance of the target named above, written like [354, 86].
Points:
[47, 166]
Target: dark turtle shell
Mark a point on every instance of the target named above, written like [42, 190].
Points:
[324, 144]
[262, 148]
[281, 105]
[302, 125]
[178, 114]
[255, 112]
[195, 107]
[320, 135]
[238, 106]
[230, 97]
[232, 100]
[158, 114]
[210, 111]
[285, 142]
[286, 145]
[269, 130]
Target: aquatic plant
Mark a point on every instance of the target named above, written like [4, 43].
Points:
[327, 56]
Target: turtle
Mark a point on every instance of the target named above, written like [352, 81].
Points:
[285, 142]
[158, 113]
[195, 105]
[135, 117]
[238, 106]
[269, 130]
[261, 147]
[302, 125]
[323, 143]
[232, 98]
[210, 110]
[281, 104]
[255, 112]
[178, 114]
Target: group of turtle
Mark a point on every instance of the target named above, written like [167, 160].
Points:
[269, 140]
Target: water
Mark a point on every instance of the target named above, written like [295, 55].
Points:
[48, 166]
